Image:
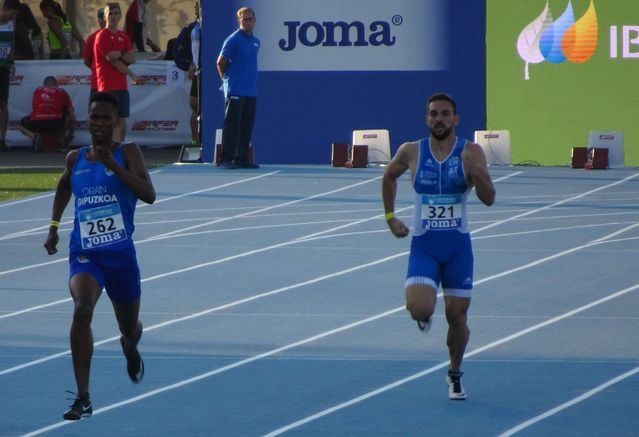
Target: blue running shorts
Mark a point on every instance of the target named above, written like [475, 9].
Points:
[117, 272]
[442, 257]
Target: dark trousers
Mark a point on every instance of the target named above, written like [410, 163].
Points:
[239, 117]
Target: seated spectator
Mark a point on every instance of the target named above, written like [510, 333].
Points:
[135, 26]
[52, 113]
[61, 31]
[28, 35]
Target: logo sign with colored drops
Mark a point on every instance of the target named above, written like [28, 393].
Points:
[560, 40]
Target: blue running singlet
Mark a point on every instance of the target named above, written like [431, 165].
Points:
[440, 191]
[104, 206]
[441, 250]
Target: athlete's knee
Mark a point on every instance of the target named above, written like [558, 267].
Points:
[131, 331]
[82, 313]
[419, 310]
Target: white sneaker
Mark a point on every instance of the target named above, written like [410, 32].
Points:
[455, 388]
[424, 325]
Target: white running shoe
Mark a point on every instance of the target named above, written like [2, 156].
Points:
[455, 388]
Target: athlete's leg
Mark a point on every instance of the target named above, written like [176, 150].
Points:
[85, 291]
[131, 329]
[458, 332]
[128, 323]
[420, 301]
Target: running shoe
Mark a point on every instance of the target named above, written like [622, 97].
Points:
[455, 388]
[134, 363]
[80, 408]
[424, 325]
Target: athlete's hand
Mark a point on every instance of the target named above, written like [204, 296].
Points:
[52, 242]
[397, 227]
[104, 154]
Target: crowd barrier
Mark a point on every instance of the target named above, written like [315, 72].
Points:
[160, 112]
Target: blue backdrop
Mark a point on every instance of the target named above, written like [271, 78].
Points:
[300, 113]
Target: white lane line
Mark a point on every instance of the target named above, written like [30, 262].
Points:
[444, 364]
[561, 202]
[27, 232]
[381, 216]
[268, 208]
[29, 199]
[324, 334]
[210, 263]
[570, 403]
[151, 239]
[219, 260]
[213, 309]
[211, 373]
[12, 314]
[217, 187]
[34, 308]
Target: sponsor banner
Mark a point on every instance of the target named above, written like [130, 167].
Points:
[160, 112]
[559, 70]
[352, 35]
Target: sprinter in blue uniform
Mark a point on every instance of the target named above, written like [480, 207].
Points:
[444, 169]
[106, 180]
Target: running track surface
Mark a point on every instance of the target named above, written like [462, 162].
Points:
[273, 304]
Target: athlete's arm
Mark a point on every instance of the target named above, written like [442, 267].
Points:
[60, 202]
[135, 176]
[398, 165]
[477, 175]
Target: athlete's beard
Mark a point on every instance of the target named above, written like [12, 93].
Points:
[441, 136]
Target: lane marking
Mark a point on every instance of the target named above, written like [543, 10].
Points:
[322, 335]
[27, 232]
[151, 239]
[444, 364]
[268, 208]
[570, 403]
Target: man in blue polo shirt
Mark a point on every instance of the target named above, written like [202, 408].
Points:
[237, 66]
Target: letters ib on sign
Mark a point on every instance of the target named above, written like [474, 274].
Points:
[629, 39]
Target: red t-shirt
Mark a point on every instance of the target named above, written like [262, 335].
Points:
[88, 57]
[50, 103]
[108, 78]
[132, 17]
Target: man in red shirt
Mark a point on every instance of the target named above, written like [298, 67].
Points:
[52, 113]
[135, 26]
[88, 51]
[112, 55]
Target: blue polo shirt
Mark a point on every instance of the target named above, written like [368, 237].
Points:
[240, 78]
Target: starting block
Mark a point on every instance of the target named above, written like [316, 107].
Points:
[597, 158]
[339, 154]
[579, 157]
[360, 156]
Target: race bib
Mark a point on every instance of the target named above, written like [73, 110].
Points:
[442, 211]
[101, 226]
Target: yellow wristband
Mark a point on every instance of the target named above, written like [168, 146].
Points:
[54, 224]
[389, 215]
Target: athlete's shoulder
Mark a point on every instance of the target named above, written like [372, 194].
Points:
[72, 157]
